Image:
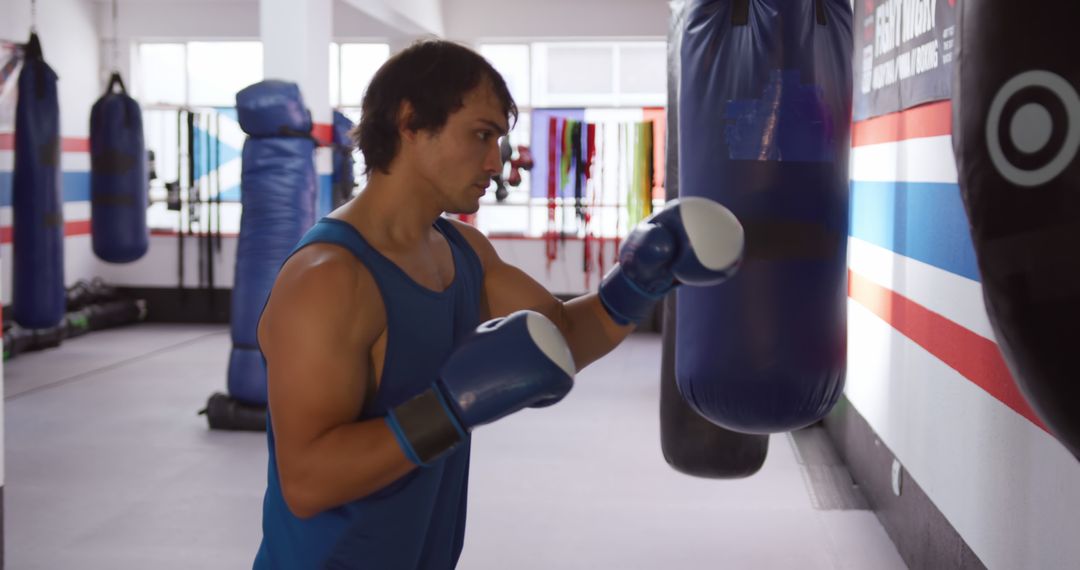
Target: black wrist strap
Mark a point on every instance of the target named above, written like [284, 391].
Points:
[427, 425]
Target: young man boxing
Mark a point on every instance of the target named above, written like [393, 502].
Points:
[378, 365]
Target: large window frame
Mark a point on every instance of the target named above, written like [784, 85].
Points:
[493, 214]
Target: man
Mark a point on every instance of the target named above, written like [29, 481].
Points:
[376, 369]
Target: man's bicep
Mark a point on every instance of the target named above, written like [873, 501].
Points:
[317, 361]
[510, 289]
[507, 288]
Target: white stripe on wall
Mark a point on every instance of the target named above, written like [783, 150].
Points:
[69, 161]
[928, 159]
[73, 211]
[1007, 487]
[956, 298]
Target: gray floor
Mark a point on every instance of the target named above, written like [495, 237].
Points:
[108, 467]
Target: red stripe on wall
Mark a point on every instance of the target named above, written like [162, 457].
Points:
[975, 357]
[323, 132]
[67, 144]
[930, 120]
[71, 144]
[72, 228]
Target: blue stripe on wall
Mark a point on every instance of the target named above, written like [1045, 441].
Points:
[75, 185]
[923, 221]
[325, 201]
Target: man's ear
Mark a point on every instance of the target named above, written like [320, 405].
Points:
[405, 115]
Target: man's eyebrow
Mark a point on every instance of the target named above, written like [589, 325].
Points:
[495, 126]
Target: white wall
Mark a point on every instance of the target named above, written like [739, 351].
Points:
[473, 20]
[69, 42]
[208, 19]
[67, 29]
[924, 371]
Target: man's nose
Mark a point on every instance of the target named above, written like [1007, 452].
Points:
[493, 159]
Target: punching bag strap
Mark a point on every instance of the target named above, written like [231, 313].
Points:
[33, 52]
[33, 47]
[294, 134]
[819, 12]
[740, 12]
[115, 80]
[110, 89]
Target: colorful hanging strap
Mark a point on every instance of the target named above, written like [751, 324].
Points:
[551, 246]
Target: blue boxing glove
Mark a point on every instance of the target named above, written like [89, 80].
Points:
[693, 240]
[507, 364]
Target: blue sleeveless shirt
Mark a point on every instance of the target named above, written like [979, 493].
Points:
[417, 522]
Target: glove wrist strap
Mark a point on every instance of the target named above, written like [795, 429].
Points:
[425, 428]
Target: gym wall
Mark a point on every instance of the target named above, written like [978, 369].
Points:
[925, 373]
[69, 41]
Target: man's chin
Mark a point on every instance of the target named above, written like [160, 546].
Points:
[466, 209]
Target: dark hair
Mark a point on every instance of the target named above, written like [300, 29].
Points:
[433, 76]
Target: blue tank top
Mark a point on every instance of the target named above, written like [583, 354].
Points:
[417, 522]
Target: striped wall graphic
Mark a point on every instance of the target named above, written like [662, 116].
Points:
[74, 183]
[923, 366]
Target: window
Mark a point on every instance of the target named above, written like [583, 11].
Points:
[352, 66]
[359, 62]
[601, 74]
[218, 70]
[600, 82]
[173, 79]
[162, 74]
[512, 62]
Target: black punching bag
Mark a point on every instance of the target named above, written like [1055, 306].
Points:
[1016, 133]
[690, 443]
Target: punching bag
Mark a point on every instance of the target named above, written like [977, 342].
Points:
[343, 180]
[38, 293]
[764, 122]
[118, 180]
[277, 193]
[1016, 134]
[690, 443]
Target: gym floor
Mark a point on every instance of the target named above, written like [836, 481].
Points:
[109, 467]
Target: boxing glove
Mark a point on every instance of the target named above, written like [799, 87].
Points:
[693, 241]
[507, 364]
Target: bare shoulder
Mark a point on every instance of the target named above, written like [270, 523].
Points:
[479, 242]
[323, 290]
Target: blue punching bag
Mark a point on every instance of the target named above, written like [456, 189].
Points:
[343, 180]
[1016, 136]
[765, 111]
[118, 181]
[38, 295]
[277, 193]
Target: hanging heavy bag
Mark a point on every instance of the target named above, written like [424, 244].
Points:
[38, 294]
[118, 178]
[1016, 134]
[764, 122]
[690, 443]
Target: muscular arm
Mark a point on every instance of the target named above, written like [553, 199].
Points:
[589, 330]
[316, 333]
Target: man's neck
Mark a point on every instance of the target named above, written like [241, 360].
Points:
[393, 211]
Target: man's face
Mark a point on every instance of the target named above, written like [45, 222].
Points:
[460, 160]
